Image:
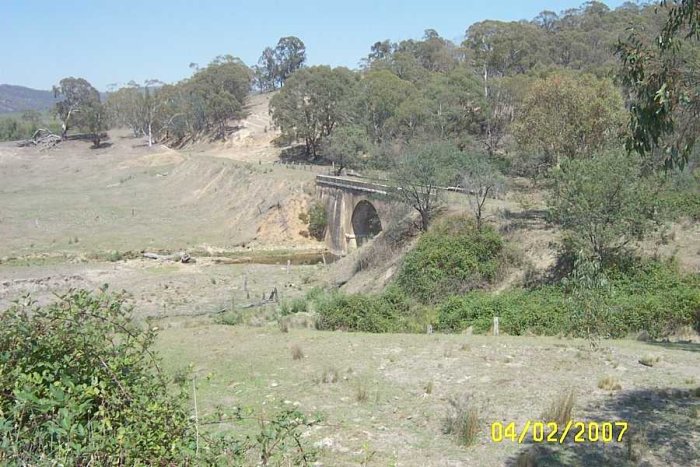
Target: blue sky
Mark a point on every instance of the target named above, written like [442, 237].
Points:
[119, 40]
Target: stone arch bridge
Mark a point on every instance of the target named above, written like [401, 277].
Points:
[356, 210]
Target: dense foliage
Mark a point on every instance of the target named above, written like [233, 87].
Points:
[278, 64]
[318, 221]
[81, 386]
[661, 75]
[648, 296]
[391, 311]
[201, 106]
[311, 104]
[604, 203]
[16, 127]
[567, 115]
[452, 258]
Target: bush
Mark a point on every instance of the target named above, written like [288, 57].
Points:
[676, 204]
[81, 386]
[681, 196]
[298, 305]
[604, 203]
[318, 221]
[644, 296]
[390, 312]
[454, 257]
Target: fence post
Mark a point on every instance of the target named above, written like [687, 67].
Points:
[495, 325]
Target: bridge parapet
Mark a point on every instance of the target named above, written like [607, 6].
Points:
[344, 183]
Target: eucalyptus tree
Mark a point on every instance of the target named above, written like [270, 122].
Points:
[76, 95]
[312, 103]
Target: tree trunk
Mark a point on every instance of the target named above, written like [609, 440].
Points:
[424, 220]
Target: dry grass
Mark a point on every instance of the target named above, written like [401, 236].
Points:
[406, 420]
[361, 392]
[609, 383]
[462, 420]
[560, 409]
[297, 352]
[329, 375]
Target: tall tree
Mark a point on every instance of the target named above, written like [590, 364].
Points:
[312, 103]
[382, 93]
[76, 94]
[267, 70]
[290, 55]
[565, 115]
[455, 102]
[218, 93]
[500, 49]
[138, 107]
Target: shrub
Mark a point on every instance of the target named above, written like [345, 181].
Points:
[603, 202]
[298, 305]
[454, 257]
[81, 386]
[390, 312]
[678, 204]
[356, 313]
[642, 296]
[115, 256]
[361, 392]
[318, 221]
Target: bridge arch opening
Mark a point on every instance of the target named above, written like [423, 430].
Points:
[365, 222]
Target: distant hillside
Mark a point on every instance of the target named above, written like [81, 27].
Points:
[19, 99]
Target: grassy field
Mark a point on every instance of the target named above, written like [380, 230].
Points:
[383, 398]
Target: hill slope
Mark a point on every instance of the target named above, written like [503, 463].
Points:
[19, 99]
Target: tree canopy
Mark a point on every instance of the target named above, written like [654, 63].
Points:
[77, 96]
[312, 103]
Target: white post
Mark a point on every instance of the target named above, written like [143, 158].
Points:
[289, 262]
[495, 325]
